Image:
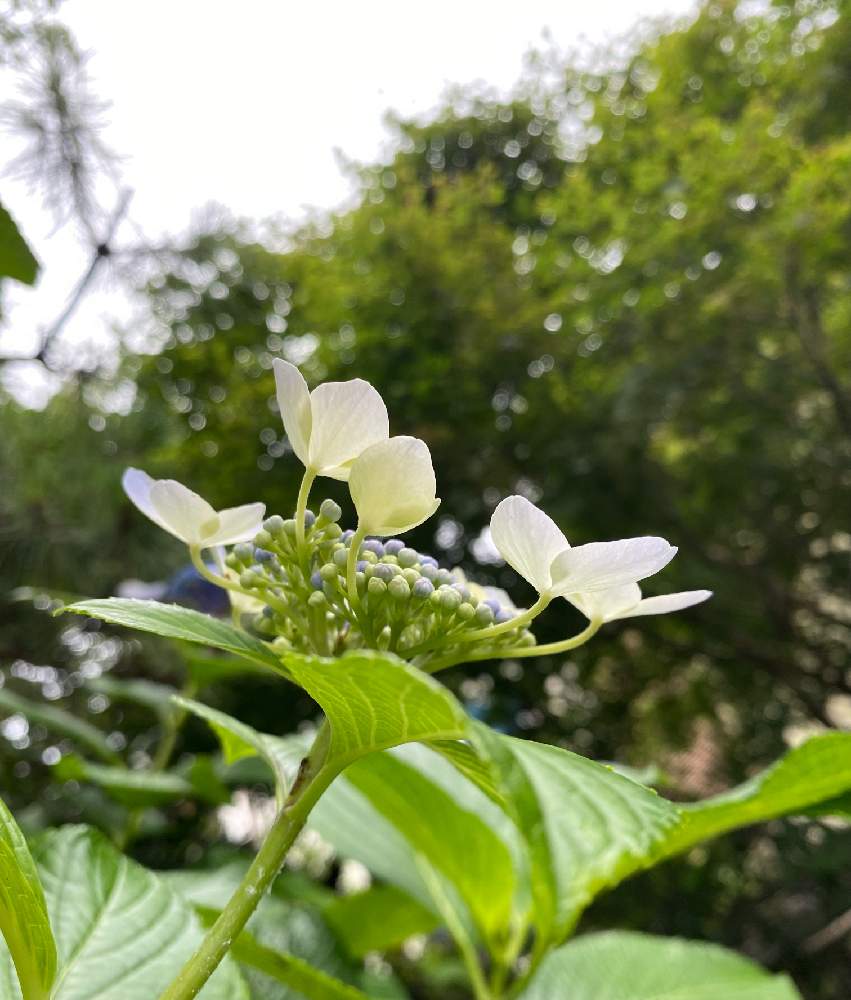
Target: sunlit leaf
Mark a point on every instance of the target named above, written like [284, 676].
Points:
[23, 916]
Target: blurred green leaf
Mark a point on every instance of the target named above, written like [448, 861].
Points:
[61, 722]
[23, 914]
[624, 966]
[378, 919]
[16, 259]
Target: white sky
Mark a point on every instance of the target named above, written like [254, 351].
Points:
[245, 103]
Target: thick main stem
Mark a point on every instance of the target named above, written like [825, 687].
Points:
[301, 508]
[258, 878]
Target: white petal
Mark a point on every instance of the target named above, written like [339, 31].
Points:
[668, 602]
[348, 417]
[600, 565]
[238, 524]
[527, 539]
[392, 485]
[606, 605]
[137, 485]
[294, 404]
[182, 512]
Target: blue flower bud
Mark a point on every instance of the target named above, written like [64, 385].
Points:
[373, 545]
[445, 577]
[347, 535]
[393, 546]
[309, 519]
[408, 557]
[463, 591]
[495, 606]
[429, 561]
[502, 616]
[361, 565]
[384, 572]
[423, 588]
[316, 580]
[268, 612]
[263, 555]
[330, 511]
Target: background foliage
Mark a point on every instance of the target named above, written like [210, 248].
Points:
[624, 292]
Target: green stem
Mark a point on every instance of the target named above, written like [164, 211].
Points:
[263, 871]
[521, 619]
[517, 652]
[301, 507]
[208, 574]
[351, 567]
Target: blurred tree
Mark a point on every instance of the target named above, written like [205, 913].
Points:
[624, 293]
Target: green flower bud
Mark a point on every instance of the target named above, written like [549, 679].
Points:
[384, 638]
[231, 561]
[289, 528]
[399, 589]
[466, 612]
[410, 576]
[368, 556]
[389, 559]
[360, 582]
[408, 557]
[341, 557]
[244, 553]
[317, 599]
[376, 587]
[333, 531]
[484, 615]
[274, 525]
[263, 539]
[329, 572]
[330, 511]
[248, 579]
[448, 599]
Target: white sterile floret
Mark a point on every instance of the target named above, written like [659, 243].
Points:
[533, 545]
[627, 602]
[331, 426]
[393, 486]
[189, 517]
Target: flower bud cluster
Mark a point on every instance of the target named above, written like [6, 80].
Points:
[406, 602]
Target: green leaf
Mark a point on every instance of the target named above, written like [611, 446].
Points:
[283, 754]
[454, 839]
[121, 932]
[174, 622]
[156, 697]
[138, 788]
[61, 722]
[374, 701]
[377, 919]
[813, 778]
[587, 827]
[23, 915]
[625, 966]
[16, 259]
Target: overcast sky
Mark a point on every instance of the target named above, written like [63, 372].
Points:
[245, 104]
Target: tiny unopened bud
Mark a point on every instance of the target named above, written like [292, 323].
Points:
[248, 579]
[444, 577]
[429, 572]
[289, 528]
[316, 580]
[376, 587]
[484, 614]
[466, 612]
[373, 545]
[384, 638]
[399, 589]
[384, 572]
[328, 572]
[274, 525]
[449, 599]
[422, 588]
[309, 519]
[502, 616]
[393, 546]
[410, 576]
[348, 535]
[408, 557]
[263, 555]
[330, 511]
[463, 591]
[360, 582]
[333, 531]
[263, 538]
[244, 552]
[317, 599]
[429, 561]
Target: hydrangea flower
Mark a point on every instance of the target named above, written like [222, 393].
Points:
[533, 545]
[393, 486]
[331, 426]
[189, 517]
[627, 602]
